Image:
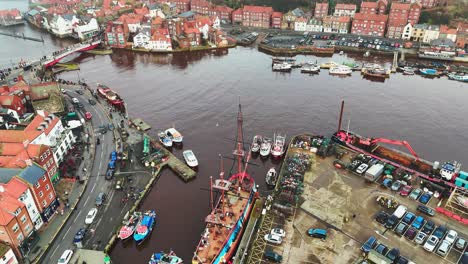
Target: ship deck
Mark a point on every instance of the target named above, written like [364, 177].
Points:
[215, 235]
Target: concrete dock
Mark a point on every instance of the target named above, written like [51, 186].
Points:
[140, 124]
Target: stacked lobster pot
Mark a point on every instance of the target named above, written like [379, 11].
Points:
[291, 186]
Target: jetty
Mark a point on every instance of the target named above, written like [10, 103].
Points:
[22, 36]
[140, 124]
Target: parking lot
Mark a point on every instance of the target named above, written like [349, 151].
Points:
[343, 203]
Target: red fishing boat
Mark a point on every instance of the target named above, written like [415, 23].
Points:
[229, 216]
[111, 96]
[127, 230]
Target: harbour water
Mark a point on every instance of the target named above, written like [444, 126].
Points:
[199, 93]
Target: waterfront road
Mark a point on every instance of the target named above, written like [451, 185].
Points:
[96, 183]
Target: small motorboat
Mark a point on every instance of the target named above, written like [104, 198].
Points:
[282, 67]
[265, 147]
[271, 177]
[367, 54]
[175, 135]
[127, 230]
[408, 72]
[310, 68]
[256, 143]
[429, 72]
[190, 158]
[145, 226]
[165, 139]
[165, 258]
[458, 77]
[341, 70]
[278, 145]
[328, 65]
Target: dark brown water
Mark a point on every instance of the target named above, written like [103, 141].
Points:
[199, 92]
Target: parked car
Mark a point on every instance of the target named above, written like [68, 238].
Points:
[109, 174]
[418, 222]
[420, 237]
[464, 258]
[272, 256]
[318, 233]
[113, 155]
[88, 116]
[278, 231]
[381, 249]
[401, 228]
[90, 216]
[274, 239]
[411, 233]
[431, 243]
[91, 101]
[443, 248]
[426, 210]
[381, 217]
[391, 222]
[461, 242]
[409, 217]
[100, 199]
[451, 236]
[393, 254]
[79, 92]
[440, 232]
[75, 100]
[428, 227]
[402, 260]
[66, 256]
[362, 168]
[405, 191]
[369, 244]
[424, 199]
[415, 194]
[396, 185]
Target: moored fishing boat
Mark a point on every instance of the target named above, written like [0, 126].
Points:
[127, 230]
[377, 73]
[429, 72]
[408, 72]
[230, 214]
[145, 226]
[271, 177]
[277, 150]
[282, 67]
[256, 143]
[111, 96]
[190, 158]
[310, 68]
[165, 258]
[458, 77]
[340, 70]
[165, 139]
[265, 147]
[175, 135]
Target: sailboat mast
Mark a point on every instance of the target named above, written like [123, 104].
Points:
[221, 175]
[240, 141]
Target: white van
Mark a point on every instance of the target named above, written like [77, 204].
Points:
[443, 248]
[400, 211]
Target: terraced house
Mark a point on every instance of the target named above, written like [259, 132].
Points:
[257, 16]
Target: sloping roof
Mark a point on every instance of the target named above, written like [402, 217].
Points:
[7, 174]
[12, 136]
[4, 248]
[15, 187]
[258, 9]
[33, 12]
[443, 42]
[369, 4]
[420, 26]
[187, 14]
[400, 6]
[298, 12]
[32, 173]
[8, 205]
[277, 14]
[345, 6]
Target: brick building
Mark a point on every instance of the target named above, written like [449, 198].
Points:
[237, 16]
[336, 24]
[379, 7]
[257, 16]
[321, 10]
[116, 34]
[224, 13]
[400, 15]
[276, 19]
[202, 7]
[345, 10]
[369, 24]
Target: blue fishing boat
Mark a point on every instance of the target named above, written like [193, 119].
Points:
[165, 258]
[145, 226]
[429, 72]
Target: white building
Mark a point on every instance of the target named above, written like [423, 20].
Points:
[9, 256]
[431, 33]
[407, 32]
[155, 10]
[216, 23]
[87, 30]
[62, 26]
[314, 25]
[25, 197]
[345, 10]
[300, 24]
[160, 41]
[141, 40]
[47, 129]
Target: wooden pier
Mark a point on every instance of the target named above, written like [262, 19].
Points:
[140, 124]
[22, 36]
[178, 166]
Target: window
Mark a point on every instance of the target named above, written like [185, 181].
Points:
[41, 194]
[44, 179]
[23, 219]
[43, 203]
[47, 187]
[20, 237]
[50, 196]
[37, 184]
[15, 228]
[27, 228]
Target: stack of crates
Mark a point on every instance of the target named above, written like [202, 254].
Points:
[462, 180]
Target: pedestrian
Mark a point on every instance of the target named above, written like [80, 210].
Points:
[61, 212]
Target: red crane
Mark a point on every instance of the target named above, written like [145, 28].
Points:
[374, 141]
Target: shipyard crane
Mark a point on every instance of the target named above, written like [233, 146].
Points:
[372, 142]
